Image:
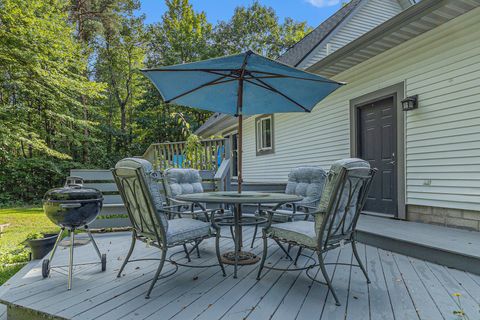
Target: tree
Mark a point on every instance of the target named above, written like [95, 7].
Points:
[93, 18]
[42, 81]
[182, 36]
[257, 28]
[120, 56]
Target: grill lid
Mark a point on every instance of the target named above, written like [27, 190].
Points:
[73, 190]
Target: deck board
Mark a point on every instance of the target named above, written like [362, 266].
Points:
[380, 303]
[402, 287]
[315, 299]
[424, 304]
[441, 297]
[358, 299]
[3, 312]
[403, 306]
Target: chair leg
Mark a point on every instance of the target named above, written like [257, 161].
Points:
[187, 254]
[232, 233]
[195, 247]
[254, 235]
[129, 254]
[289, 247]
[298, 255]
[157, 274]
[321, 263]
[217, 250]
[360, 264]
[264, 254]
[284, 250]
[198, 249]
[70, 264]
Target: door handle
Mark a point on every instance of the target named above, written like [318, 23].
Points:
[394, 160]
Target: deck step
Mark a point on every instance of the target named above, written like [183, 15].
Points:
[455, 248]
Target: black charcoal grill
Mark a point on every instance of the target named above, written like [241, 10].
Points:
[72, 207]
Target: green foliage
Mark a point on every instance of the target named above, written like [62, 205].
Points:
[27, 179]
[23, 222]
[42, 80]
[257, 28]
[182, 36]
[71, 94]
[193, 152]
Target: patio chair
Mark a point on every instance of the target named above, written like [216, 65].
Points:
[307, 182]
[184, 181]
[140, 190]
[335, 219]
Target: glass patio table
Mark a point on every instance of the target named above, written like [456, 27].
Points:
[237, 220]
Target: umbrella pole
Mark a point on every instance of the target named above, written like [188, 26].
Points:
[240, 152]
[240, 130]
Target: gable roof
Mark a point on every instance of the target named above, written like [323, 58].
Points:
[299, 51]
[416, 20]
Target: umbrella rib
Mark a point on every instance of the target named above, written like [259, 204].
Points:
[269, 87]
[183, 70]
[277, 75]
[230, 75]
[210, 83]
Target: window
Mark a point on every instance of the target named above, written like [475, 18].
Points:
[264, 137]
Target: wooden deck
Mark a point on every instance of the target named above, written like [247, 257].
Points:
[402, 288]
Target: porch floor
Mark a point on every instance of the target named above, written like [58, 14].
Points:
[402, 288]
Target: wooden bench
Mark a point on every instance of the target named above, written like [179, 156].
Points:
[114, 213]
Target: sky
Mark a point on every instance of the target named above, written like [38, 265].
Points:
[312, 11]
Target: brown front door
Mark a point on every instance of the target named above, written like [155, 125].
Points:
[377, 144]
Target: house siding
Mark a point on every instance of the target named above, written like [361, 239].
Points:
[442, 136]
[370, 14]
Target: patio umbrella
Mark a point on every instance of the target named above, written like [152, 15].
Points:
[242, 84]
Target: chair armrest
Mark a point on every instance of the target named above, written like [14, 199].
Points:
[172, 210]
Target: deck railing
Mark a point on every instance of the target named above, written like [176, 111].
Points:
[208, 156]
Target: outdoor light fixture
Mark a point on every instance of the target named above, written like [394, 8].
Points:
[410, 103]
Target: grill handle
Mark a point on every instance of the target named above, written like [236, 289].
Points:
[70, 205]
[74, 182]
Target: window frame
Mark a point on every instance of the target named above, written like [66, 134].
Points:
[259, 130]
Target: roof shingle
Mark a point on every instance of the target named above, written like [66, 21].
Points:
[295, 54]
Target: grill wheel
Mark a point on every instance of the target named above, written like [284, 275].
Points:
[46, 268]
[104, 261]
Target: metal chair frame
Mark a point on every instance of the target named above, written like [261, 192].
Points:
[148, 227]
[331, 236]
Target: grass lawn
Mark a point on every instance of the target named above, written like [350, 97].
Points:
[23, 221]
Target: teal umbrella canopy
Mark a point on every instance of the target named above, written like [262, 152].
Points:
[242, 84]
[267, 86]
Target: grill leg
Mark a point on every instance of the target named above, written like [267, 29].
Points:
[59, 238]
[93, 242]
[70, 265]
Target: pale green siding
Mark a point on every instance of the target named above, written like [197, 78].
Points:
[442, 137]
[370, 14]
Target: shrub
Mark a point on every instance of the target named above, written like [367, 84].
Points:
[25, 180]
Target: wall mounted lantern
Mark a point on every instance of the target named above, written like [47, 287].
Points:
[410, 103]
